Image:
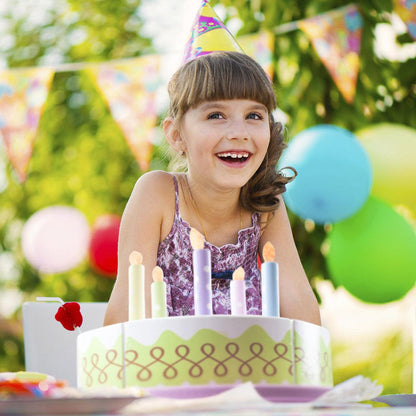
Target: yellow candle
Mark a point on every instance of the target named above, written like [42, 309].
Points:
[158, 293]
[136, 287]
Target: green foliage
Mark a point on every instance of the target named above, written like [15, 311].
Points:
[81, 157]
[387, 361]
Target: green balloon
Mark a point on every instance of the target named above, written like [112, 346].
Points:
[391, 149]
[373, 253]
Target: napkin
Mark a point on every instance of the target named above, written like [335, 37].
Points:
[353, 390]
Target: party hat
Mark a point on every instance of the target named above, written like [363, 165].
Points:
[209, 34]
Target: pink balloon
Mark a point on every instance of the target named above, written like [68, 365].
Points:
[55, 239]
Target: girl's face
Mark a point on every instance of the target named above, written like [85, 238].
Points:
[225, 140]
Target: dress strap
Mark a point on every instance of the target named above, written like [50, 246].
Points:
[175, 183]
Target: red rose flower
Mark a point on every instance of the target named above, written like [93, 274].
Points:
[69, 315]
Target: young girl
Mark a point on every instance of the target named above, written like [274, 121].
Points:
[221, 122]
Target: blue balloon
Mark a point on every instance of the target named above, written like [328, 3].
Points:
[334, 174]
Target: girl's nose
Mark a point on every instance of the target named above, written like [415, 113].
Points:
[237, 129]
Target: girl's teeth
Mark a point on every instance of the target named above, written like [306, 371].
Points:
[233, 155]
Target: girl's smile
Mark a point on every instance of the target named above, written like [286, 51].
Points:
[234, 158]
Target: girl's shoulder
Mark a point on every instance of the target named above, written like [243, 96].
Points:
[154, 182]
[153, 188]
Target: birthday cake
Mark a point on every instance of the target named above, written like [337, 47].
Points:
[197, 356]
[204, 354]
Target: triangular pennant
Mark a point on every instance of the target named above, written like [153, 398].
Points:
[23, 94]
[336, 37]
[208, 34]
[259, 46]
[129, 89]
[406, 10]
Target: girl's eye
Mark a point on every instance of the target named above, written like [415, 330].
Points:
[215, 116]
[255, 116]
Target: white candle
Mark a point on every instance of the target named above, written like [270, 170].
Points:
[158, 294]
[238, 293]
[136, 287]
[270, 282]
[202, 274]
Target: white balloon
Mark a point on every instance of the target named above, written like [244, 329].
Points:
[55, 239]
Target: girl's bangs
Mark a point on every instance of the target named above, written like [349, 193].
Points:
[209, 79]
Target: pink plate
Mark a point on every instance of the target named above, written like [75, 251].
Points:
[280, 394]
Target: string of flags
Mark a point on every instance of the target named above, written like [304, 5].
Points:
[129, 87]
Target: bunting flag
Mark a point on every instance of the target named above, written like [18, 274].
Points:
[336, 37]
[260, 47]
[129, 89]
[22, 97]
[406, 10]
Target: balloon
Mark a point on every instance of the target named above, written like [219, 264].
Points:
[334, 174]
[391, 149]
[55, 239]
[373, 253]
[103, 245]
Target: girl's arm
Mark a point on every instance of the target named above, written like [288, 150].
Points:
[297, 300]
[140, 230]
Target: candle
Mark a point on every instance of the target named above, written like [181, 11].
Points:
[158, 294]
[238, 293]
[270, 282]
[136, 287]
[202, 274]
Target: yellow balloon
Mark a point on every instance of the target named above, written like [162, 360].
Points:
[392, 149]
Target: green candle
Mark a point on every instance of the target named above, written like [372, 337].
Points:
[158, 293]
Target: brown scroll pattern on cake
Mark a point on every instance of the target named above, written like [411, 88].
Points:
[326, 372]
[309, 369]
[210, 354]
[222, 360]
[110, 362]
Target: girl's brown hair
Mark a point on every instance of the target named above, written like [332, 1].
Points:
[228, 76]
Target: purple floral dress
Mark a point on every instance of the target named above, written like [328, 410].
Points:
[175, 258]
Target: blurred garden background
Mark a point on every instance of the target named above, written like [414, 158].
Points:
[88, 150]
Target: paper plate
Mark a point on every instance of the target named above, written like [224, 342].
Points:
[402, 400]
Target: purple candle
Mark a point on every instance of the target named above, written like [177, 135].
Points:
[238, 293]
[202, 274]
